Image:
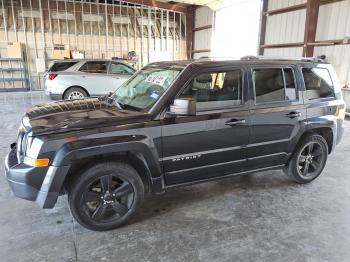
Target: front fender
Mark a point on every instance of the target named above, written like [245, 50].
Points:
[80, 149]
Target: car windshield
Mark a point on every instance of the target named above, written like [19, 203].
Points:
[145, 87]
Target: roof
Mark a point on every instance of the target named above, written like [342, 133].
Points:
[210, 62]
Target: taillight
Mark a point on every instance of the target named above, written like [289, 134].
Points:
[51, 76]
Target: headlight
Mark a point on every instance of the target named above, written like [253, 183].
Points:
[26, 122]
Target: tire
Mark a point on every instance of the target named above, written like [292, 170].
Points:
[75, 93]
[308, 160]
[105, 196]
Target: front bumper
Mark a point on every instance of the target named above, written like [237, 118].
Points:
[25, 181]
[39, 184]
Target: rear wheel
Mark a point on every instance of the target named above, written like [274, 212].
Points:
[75, 93]
[106, 195]
[308, 160]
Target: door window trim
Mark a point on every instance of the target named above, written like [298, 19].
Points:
[296, 100]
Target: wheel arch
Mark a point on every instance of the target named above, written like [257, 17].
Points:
[326, 132]
[74, 86]
[135, 159]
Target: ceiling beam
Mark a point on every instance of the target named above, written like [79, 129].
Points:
[171, 7]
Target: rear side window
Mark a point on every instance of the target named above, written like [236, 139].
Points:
[94, 67]
[274, 85]
[318, 83]
[61, 66]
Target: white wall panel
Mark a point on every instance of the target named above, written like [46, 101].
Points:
[202, 39]
[339, 57]
[285, 28]
[334, 21]
[203, 16]
[284, 52]
[277, 4]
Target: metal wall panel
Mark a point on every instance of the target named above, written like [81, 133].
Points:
[277, 4]
[284, 52]
[202, 39]
[334, 21]
[203, 17]
[285, 28]
[339, 57]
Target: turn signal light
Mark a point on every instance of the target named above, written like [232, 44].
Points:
[51, 76]
[37, 162]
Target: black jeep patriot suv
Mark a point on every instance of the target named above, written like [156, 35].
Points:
[174, 124]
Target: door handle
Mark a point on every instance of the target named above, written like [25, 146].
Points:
[235, 122]
[293, 114]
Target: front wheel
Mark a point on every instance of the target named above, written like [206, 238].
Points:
[106, 195]
[308, 160]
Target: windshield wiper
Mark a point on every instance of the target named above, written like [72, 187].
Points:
[109, 100]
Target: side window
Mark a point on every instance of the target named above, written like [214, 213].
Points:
[215, 90]
[274, 85]
[94, 67]
[61, 66]
[121, 69]
[318, 83]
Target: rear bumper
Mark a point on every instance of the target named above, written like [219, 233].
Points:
[33, 183]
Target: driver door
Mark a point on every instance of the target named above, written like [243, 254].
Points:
[213, 142]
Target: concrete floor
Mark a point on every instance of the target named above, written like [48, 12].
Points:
[259, 217]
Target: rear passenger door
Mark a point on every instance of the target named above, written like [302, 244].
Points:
[278, 115]
[94, 79]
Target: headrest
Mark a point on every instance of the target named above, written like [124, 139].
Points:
[204, 78]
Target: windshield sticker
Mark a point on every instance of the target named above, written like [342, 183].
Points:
[158, 80]
[154, 95]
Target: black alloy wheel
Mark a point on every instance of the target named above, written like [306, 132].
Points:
[308, 159]
[107, 198]
[106, 195]
[311, 159]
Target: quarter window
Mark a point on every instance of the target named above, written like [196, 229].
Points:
[274, 85]
[318, 83]
[94, 67]
[215, 90]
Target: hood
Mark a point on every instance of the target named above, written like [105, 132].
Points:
[69, 115]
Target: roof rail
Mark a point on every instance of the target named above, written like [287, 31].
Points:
[318, 59]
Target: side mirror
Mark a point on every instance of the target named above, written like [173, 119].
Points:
[183, 107]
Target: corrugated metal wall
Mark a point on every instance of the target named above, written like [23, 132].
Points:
[277, 4]
[333, 24]
[204, 16]
[99, 30]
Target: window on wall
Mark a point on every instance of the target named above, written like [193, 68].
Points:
[318, 83]
[94, 67]
[274, 85]
[215, 90]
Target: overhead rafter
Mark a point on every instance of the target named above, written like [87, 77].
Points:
[172, 7]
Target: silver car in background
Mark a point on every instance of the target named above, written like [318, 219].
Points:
[75, 79]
